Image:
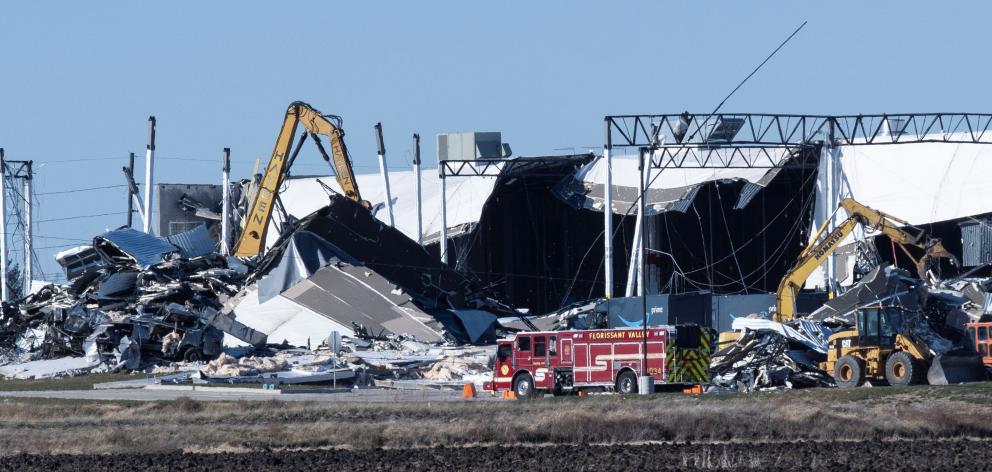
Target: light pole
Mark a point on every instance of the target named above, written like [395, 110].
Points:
[646, 382]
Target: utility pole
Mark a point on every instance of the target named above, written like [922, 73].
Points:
[3, 228]
[133, 192]
[149, 174]
[17, 170]
[225, 223]
[420, 195]
[385, 173]
[130, 193]
[28, 243]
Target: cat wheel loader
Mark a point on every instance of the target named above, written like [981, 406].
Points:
[880, 348]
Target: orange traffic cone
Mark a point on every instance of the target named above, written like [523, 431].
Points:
[509, 395]
[693, 390]
[582, 393]
[468, 391]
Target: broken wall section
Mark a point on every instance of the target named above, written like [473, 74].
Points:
[350, 267]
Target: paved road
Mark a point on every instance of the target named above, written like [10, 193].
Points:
[364, 396]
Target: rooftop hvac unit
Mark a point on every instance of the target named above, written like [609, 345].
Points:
[894, 126]
[471, 146]
[725, 129]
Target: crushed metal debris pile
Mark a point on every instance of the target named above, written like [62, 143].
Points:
[164, 305]
[402, 358]
[146, 304]
[764, 359]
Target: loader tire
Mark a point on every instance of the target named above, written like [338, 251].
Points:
[901, 369]
[849, 371]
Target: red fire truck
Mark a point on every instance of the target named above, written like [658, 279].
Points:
[561, 362]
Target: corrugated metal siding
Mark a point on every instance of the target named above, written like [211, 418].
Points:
[976, 242]
[195, 242]
[683, 204]
[747, 194]
[143, 247]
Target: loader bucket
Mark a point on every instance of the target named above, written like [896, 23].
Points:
[951, 368]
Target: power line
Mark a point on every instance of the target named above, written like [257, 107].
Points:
[82, 216]
[84, 159]
[61, 238]
[87, 189]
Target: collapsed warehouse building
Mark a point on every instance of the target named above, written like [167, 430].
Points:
[731, 208]
[731, 200]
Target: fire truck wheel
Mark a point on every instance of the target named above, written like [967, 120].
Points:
[626, 383]
[523, 386]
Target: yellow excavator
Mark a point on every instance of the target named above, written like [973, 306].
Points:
[252, 238]
[822, 246]
[879, 346]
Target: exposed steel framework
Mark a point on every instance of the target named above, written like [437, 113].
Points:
[784, 129]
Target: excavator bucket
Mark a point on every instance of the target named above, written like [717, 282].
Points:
[951, 368]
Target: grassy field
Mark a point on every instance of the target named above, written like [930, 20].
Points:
[80, 382]
[66, 426]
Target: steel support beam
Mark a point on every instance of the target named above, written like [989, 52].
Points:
[778, 129]
[608, 216]
[149, 175]
[420, 193]
[225, 217]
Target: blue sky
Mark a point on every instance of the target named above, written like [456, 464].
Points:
[79, 79]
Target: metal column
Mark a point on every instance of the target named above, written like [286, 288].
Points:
[645, 383]
[383, 169]
[444, 219]
[149, 174]
[832, 201]
[635, 259]
[608, 216]
[130, 194]
[420, 195]
[3, 229]
[635, 267]
[225, 217]
[28, 243]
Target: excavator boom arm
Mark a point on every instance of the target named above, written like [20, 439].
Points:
[817, 252]
[811, 258]
[260, 211]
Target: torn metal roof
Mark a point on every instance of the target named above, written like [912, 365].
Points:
[352, 294]
[343, 263]
[195, 242]
[465, 196]
[126, 245]
[669, 189]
